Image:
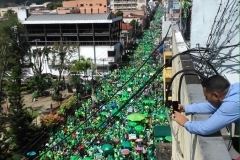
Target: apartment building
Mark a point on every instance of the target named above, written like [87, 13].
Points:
[4, 10]
[128, 4]
[84, 7]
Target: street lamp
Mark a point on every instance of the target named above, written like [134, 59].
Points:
[103, 59]
[46, 65]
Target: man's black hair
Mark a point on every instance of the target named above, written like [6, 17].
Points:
[215, 83]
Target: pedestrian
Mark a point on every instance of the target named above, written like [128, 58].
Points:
[223, 103]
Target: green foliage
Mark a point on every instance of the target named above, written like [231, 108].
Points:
[133, 23]
[56, 97]
[9, 13]
[39, 56]
[61, 55]
[54, 5]
[40, 82]
[119, 13]
[71, 103]
[58, 85]
[82, 64]
[24, 88]
[75, 80]
[21, 130]
[14, 90]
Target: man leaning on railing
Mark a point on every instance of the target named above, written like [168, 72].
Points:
[223, 103]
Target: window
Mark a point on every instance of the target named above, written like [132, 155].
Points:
[90, 4]
[111, 53]
[81, 5]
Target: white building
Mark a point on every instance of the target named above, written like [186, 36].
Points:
[127, 4]
[97, 36]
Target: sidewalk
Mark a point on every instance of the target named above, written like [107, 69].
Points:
[43, 104]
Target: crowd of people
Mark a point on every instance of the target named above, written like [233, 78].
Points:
[119, 123]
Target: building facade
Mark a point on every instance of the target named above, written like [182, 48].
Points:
[4, 10]
[128, 4]
[84, 6]
[97, 36]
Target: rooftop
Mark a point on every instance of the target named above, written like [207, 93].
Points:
[71, 18]
[125, 26]
[132, 15]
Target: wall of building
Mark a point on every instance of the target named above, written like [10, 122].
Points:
[223, 32]
[128, 20]
[22, 14]
[63, 10]
[88, 52]
[141, 3]
[3, 10]
[88, 6]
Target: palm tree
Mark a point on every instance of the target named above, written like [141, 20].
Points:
[83, 64]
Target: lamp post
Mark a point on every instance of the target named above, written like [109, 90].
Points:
[103, 59]
[46, 65]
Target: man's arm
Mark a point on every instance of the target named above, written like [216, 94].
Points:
[201, 108]
[225, 115]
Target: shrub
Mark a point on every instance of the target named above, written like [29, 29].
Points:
[51, 120]
[56, 97]
[71, 103]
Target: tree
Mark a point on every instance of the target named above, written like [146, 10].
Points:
[119, 13]
[54, 5]
[60, 57]
[9, 13]
[16, 54]
[39, 56]
[133, 23]
[82, 64]
[3, 65]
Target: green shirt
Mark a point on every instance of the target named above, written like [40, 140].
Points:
[185, 6]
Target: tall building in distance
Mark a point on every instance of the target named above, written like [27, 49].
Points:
[83, 7]
[128, 4]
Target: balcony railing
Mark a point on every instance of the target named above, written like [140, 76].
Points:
[81, 43]
[168, 72]
[125, 2]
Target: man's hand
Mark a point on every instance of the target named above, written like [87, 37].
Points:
[181, 108]
[179, 118]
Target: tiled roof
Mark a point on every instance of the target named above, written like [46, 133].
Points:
[69, 17]
[132, 15]
[125, 26]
